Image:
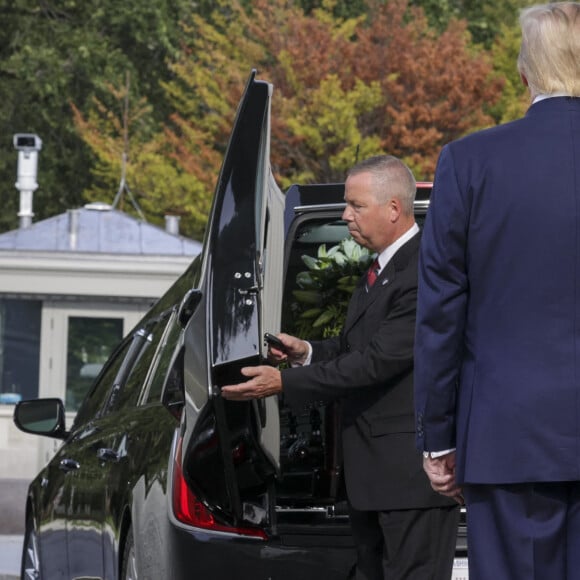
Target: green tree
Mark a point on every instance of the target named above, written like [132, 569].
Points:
[53, 53]
[515, 98]
[339, 9]
[485, 20]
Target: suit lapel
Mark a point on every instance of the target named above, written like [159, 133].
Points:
[361, 299]
[356, 305]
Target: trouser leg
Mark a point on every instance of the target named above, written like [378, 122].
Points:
[368, 539]
[573, 529]
[419, 544]
[519, 531]
[405, 544]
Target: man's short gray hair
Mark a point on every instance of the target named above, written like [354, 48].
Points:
[391, 177]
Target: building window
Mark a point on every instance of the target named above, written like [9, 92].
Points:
[90, 343]
[19, 349]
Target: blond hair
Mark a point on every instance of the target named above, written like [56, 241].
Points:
[549, 56]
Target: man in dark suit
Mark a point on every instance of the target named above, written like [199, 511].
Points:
[497, 373]
[403, 530]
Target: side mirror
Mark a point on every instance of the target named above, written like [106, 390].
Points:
[41, 417]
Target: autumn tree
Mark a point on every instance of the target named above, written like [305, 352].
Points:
[352, 78]
[494, 25]
[433, 88]
[134, 164]
[346, 87]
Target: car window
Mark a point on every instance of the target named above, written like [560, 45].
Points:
[99, 394]
[173, 396]
[164, 362]
[130, 380]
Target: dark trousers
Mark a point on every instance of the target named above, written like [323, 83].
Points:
[405, 544]
[527, 531]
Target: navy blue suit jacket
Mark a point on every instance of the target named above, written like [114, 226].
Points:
[497, 352]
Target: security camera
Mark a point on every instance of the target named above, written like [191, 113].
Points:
[28, 145]
[27, 142]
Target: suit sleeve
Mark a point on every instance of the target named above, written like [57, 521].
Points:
[323, 350]
[441, 309]
[387, 355]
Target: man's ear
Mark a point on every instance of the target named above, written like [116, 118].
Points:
[524, 79]
[527, 85]
[395, 209]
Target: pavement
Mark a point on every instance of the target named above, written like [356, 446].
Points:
[10, 552]
[12, 510]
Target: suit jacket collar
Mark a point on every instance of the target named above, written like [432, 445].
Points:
[387, 254]
[401, 259]
[398, 262]
[554, 105]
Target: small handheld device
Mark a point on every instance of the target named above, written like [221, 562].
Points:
[274, 341]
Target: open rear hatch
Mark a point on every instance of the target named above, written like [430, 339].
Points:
[231, 449]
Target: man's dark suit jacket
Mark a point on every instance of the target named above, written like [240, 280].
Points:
[369, 368]
[498, 318]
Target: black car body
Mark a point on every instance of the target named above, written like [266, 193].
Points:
[161, 478]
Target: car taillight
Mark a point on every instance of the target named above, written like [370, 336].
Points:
[189, 510]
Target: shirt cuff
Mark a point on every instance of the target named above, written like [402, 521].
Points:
[436, 454]
[307, 360]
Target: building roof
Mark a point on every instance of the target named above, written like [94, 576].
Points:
[98, 228]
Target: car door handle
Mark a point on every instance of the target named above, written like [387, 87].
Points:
[107, 454]
[69, 465]
[253, 290]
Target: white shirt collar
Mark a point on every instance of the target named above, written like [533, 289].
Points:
[386, 255]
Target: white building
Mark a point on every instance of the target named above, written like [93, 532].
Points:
[71, 287]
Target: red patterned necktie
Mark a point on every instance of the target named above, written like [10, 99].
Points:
[372, 273]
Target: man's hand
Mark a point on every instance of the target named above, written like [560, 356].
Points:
[441, 474]
[296, 350]
[265, 381]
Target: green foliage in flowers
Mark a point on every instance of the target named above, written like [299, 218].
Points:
[325, 288]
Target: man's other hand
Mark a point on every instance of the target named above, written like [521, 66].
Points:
[296, 350]
[264, 381]
[441, 474]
